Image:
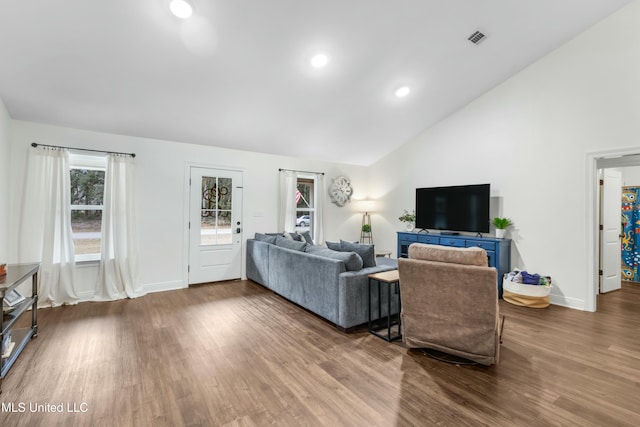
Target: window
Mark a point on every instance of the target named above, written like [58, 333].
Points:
[87, 193]
[305, 204]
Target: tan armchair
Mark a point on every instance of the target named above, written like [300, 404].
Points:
[450, 302]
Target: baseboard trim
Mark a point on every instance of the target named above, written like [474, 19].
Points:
[563, 301]
[164, 286]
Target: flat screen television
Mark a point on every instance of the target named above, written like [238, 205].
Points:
[456, 208]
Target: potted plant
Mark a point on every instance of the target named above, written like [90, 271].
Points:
[366, 228]
[501, 225]
[408, 218]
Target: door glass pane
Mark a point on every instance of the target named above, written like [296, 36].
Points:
[215, 213]
[208, 227]
[208, 192]
[224, 228]
[224, 193]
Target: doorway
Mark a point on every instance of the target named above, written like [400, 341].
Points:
[215, 225]
[596, 162]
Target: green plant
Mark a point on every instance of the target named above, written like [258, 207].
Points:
[366, 228]
[408, 217]
[501, 223]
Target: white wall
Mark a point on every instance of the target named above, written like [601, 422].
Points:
[529, 137]
[161, 186]
[5, 161]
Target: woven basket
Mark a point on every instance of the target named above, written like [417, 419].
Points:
[533, 296]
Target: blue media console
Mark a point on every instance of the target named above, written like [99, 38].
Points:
[498, 250]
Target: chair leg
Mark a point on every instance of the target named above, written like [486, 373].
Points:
[502, 318]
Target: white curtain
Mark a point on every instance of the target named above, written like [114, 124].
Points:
[45, 226]
[118, 274]
[318, 226]
[287, 213]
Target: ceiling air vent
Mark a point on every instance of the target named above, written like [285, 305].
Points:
[476, 37]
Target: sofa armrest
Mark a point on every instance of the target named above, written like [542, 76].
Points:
[353, 297]
[258, 261]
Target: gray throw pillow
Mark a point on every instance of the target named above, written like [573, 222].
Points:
[334, 246]
[265, 238]
[293, 236]
[366, 252]
[290, 244]
[352, 261]
[306, 237]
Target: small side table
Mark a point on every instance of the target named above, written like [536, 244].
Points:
[383, 254]
[392, 280]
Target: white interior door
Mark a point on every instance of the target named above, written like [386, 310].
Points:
[610, 250]
[215, 225]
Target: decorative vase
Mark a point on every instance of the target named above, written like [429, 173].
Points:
[408, 226]
[500, 233]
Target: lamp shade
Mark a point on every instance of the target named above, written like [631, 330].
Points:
[366, 205]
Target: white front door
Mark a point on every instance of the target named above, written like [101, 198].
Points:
[215, 225]
[610, 250]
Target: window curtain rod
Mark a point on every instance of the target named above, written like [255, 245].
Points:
[293, 170]
[34, 144]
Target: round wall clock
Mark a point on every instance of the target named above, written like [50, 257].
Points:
[340, 190]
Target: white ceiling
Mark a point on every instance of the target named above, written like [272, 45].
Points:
[237, 74]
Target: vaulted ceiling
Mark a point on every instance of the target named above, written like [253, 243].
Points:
[237, 73]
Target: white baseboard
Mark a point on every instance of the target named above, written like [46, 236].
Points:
[577, 304]
[148, 288]
[164, 286]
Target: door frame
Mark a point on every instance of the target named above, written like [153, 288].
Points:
[186, 200]
[594, 161]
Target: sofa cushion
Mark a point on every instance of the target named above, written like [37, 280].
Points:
[290, 244]
[352, 260]
[334, 246]
[366, 252]
[465, 256]
[306, 237]
[265, 238]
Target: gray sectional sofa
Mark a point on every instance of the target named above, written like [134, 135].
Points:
[317, 281]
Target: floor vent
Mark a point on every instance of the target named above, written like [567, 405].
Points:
[476, 37]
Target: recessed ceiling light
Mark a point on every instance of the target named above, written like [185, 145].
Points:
[319, 60]
[403, 91]
[181, 8]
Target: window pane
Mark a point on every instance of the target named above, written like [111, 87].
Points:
[215, 214]
[305, 212]
[304, 195]
[303, 220]
[85, 231]
[87, 186]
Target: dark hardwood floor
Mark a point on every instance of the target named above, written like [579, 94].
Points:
[236, 354]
